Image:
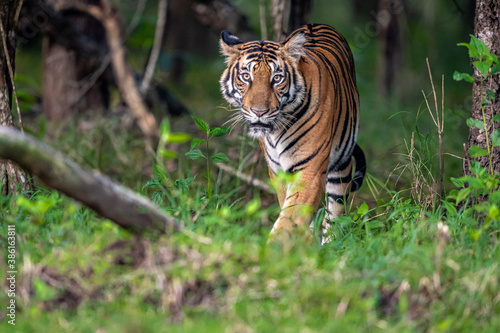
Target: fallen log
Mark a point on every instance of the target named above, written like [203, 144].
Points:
[124, 207]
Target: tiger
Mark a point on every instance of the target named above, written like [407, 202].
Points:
[300, 100]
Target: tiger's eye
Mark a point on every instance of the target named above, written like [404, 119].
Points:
[277, 78]
[245, 76]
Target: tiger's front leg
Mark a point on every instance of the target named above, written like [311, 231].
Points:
[298, 202]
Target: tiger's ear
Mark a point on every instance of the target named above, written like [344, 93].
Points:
[294, 46]
[229, 43]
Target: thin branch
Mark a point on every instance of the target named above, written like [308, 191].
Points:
[246, 178]
[11, 74]
[139, 10]
[442, 103]
[18, 10]
[439, 124]
[157, 44]
[124, 77]
[429, 109]
[434, 93]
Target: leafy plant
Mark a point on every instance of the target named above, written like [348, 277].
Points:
[488, 65]
[39, 205]
[168, 137]
[195, 153]
[482, 186]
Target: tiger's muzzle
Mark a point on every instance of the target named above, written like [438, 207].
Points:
[260, 121]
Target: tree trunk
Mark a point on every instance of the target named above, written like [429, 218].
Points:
[288, 15]
[68, 83]
[12, 178]
[487, 29]
[198, 15]
[389, 16]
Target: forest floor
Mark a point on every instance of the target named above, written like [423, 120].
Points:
[399, 261]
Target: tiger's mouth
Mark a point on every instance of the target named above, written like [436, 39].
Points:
[259, 129]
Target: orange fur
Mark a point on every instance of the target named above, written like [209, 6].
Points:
[300, 99]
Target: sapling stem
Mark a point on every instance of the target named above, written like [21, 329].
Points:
[209, 185]
[484, 123]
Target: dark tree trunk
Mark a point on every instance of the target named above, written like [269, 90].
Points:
[487, 29]
[288, 15]
[186, 29]
[72, 80]
[389, 16]
[12, 178]
[363, 9]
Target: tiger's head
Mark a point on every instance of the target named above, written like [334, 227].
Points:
[263, 80]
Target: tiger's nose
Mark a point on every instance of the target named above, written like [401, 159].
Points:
[258, 112]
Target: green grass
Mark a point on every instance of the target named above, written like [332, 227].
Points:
[390, 268]
[401, 263]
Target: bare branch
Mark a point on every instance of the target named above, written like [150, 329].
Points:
[110, 200]
[246, 178]
[155, 51]
[11, 74]
[108, 16]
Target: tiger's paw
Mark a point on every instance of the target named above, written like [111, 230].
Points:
[288, 237]
[327, 234]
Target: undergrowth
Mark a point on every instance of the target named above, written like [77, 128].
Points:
[409, 260]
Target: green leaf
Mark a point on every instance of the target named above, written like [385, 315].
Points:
[220, 157]
[152, 183]
[490, 94]
[476, 168]
[496, 117]
[164, 131]
[363, 209]
[495, 69]
[450, 208]
[480, 50]
[376, 224]
[168, 154]
[494, 57]
[475, 183]
[178, 137]
[491, 183]
[219, 131]
[158, 197]
[343, 220]
[165, 127]
[458, 182]
[483, 66]
[202, 125]
[472, 52]
[495, 197]
[463, 194]
[43, 291]
[475, 234]
[462, 76]
[252, 207]
[184, 183]
[476, 151]
[194, 154]
[196, 142]
[453, 194]
[160, 173]
[493, 212]
[475, 122]
[495, 138]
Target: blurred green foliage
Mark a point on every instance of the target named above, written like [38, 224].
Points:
[394, 265]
